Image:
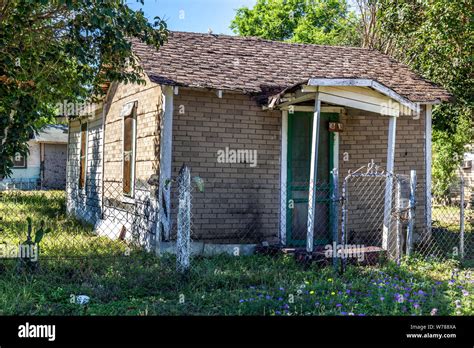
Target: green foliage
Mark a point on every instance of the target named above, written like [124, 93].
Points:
[319, 22]
[435, 38]
[52, 51]
[29, 261]
[199, 182]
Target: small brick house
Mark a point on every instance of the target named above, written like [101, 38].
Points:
[242, 114]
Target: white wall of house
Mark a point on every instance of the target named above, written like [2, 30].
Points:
[31, 173]
[33, 163]
[85, 203]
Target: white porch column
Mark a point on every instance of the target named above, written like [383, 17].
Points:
[392, 131]
[428, 119]
[283, 176]
[313, 173]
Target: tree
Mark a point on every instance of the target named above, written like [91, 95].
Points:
[306, 21]
[51, 51]
[435, 38]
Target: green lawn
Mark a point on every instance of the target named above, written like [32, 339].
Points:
[446, 228]
[69, 237]
[143, 284]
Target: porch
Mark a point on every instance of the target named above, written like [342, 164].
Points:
[333, 126]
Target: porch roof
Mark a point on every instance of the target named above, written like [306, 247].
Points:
[264, 68]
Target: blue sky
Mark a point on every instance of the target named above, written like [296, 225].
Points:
[194, 15]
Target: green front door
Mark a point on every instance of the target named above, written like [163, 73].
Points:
[298, 172]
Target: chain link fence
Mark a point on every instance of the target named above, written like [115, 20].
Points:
[235, 240]
[451, 234]
[369, 209]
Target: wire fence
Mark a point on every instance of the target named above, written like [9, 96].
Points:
[451, 234]
[369, 214]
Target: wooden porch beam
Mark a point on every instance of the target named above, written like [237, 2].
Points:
[307, 108]
[296, 100]
[365, 83]
[359, 98]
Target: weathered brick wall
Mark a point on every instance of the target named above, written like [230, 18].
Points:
[119, 211]
[365, 137]
[147, 146]
[240, 204]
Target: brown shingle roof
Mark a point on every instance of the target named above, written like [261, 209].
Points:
[258, 66]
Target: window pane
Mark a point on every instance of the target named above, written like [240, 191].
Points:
[19, 161]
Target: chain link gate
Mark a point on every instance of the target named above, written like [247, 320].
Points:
[377, 207]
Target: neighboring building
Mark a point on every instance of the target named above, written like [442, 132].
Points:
[206, 95]
[45, 165]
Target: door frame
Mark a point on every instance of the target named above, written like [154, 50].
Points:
[285, 219]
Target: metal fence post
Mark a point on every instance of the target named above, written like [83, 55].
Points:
[345, 200]
[335, 212]
[411, 213]
[461, 216]
[398, 222]
[183, 238]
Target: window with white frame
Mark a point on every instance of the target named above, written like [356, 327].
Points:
[19, 161]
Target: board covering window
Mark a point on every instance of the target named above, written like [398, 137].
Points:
[83, 155]
[129, 138]
[19, 161]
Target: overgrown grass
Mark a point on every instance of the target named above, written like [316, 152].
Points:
[446, 232]
[69, 237]
[143, 284]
